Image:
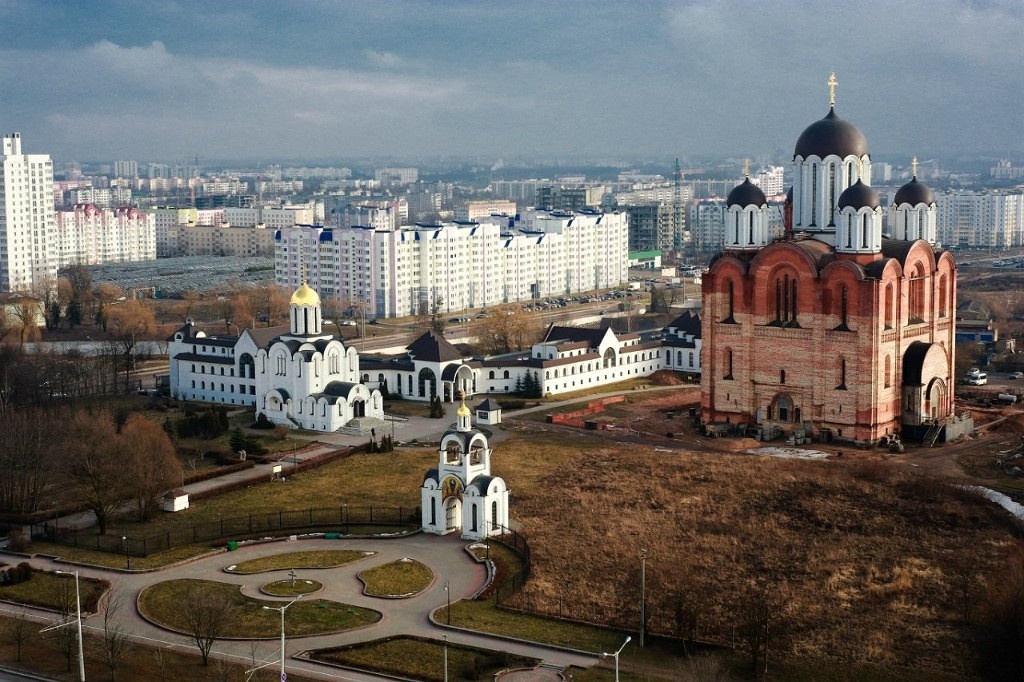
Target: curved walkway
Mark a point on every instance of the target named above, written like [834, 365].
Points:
[444, 555]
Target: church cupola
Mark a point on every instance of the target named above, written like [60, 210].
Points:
[859, 221]
[306, 317]
[831, 156]
[746, 217]
[463, 418]
[912, 213]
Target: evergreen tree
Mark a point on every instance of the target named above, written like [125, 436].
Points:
[237, 441]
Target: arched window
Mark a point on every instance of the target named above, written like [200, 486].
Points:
[490, 375]
[506, 374]
[814, 195]
[730, 301]
[691, 359]
[889, 305]
[943, 295]
[494, 515]
[917, 294]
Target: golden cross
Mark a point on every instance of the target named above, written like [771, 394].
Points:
[913, 164]
[746, 167]
[832, 83]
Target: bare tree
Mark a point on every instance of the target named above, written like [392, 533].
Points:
[150, 462]
[95, 466]
[207, 613]
[508, 328]
[19, 630]
[65, 637]
[759, 612]
[116, 644]
[134, 322]
[25, 314]
[26, 458]
[103, 296]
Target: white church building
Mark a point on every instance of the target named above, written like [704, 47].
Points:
[297, 376]
[460, 494]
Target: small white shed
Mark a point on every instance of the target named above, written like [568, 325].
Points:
[174, 501]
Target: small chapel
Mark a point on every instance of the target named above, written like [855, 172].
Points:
[843, 326]
[460, 494]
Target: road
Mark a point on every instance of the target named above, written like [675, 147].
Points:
[446, 556]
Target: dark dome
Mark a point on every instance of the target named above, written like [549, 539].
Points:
[914, 193]
[831, 136]
[746, 194]
[858, 195]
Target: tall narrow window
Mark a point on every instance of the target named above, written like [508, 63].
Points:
[888, 305]
[782, 376]
[730, 301]
[842, 374]
[792, 302]
[751, 237]
[728, 363]
[865, 228]
[814, 195]
[831, 194]
[943, 295]
[843, 302]
[888, 372]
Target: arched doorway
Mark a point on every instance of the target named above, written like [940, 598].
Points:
[427, 383]
[358, 408]
[452, 514]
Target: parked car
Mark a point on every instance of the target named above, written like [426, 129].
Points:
[1017, 375]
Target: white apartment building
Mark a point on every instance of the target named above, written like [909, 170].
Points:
[275, 217]
[980, 220]
[89, 235]
[102, 197]
[477, 210]
[455, 266]
[396, 176]
[26, 218]
[770, 180]
[380, 215]
[126, 169]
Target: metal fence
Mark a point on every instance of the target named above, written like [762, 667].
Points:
[340, 519]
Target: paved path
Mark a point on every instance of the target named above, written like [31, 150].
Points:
[446, 556]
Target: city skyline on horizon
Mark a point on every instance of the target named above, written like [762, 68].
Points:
[263, 82]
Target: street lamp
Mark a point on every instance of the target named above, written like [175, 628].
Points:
[446, 658]
[127, 556]
[643, 595]
[616, 655]
[448, 596]
[282, 609]
[78, 615]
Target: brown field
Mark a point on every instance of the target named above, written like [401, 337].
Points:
[860, 561]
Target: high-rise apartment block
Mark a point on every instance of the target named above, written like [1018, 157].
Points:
[396, 176]
[980, 220]
[455, 266]
[90, 235]
[26, 218]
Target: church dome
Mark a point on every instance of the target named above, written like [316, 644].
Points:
[831, 136]
[304, 295]
[746, 194]
[914, 193]
[857, 196]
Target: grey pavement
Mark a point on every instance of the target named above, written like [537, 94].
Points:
[446, 556]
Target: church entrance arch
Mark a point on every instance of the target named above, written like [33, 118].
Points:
[359, 408]
[452, 514]
[782, 409]
[427, 383]
[935, 399]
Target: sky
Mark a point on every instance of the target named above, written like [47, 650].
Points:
[266, 80]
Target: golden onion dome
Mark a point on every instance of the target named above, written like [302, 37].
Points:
[304, 296]
[464, 411]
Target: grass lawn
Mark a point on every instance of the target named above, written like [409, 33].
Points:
[402, 578]
[287, 588]
[162, 603]
[331, 558]
[485, 617]
[40, 655]
[423, 659]
[359, 481]
[54, 591]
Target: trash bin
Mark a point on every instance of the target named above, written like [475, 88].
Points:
[332, 536]
[232, 545]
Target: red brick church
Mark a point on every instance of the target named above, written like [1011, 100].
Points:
[844, 325]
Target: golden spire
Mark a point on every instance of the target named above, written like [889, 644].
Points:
[913, 164]
[832, 83]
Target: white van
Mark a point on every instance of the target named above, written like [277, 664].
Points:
[978, 379]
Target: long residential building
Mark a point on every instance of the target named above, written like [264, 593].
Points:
[90, 236]
[26, 218]
[456, 266]
[993, 220]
